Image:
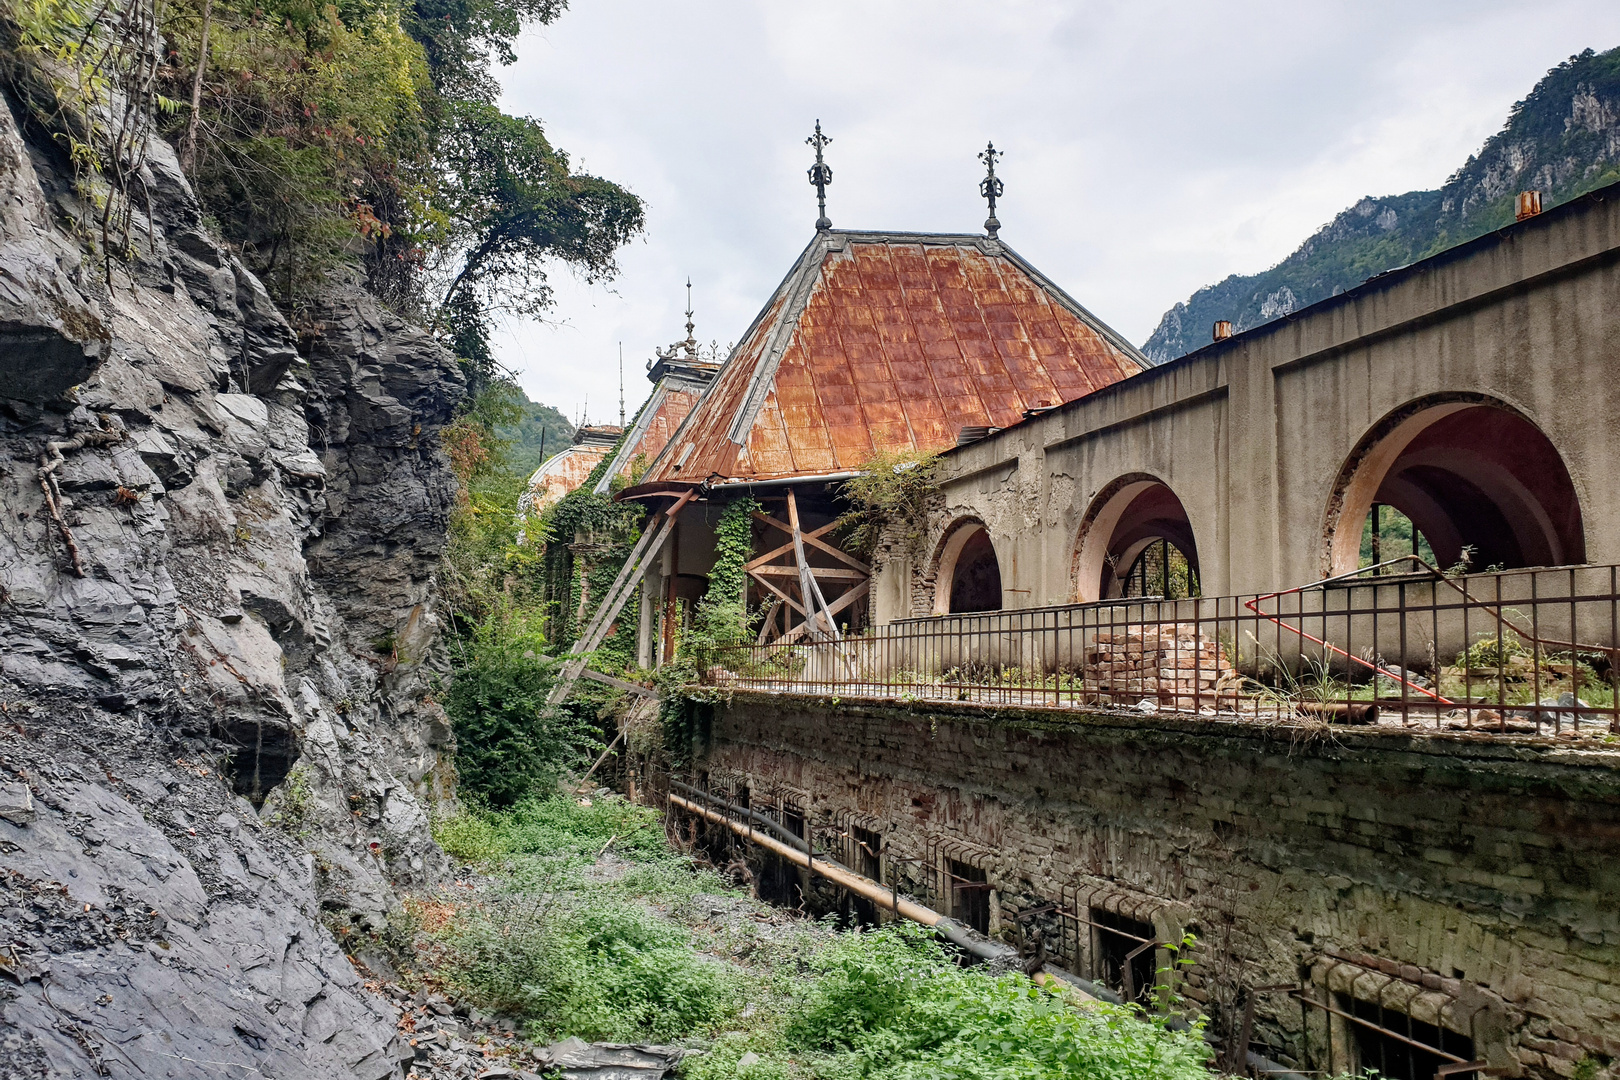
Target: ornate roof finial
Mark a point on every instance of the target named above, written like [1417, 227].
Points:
[990, 188]
[690, 344]
[820, 176]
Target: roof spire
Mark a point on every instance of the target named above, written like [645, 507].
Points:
[990, 188]
[820, 176]
[621, 384]
[690, 344]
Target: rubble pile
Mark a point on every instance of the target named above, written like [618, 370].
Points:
[1171, 664]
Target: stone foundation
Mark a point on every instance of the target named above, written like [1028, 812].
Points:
[1468, 882]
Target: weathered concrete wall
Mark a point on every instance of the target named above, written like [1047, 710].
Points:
[1253, 433]
[1487, 869]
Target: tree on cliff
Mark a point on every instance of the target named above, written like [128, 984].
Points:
[320, 135]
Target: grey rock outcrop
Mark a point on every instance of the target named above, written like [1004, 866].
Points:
[221, 583]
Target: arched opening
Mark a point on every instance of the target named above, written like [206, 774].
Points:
[1480, 484]
[1136, 540]
[969, 576]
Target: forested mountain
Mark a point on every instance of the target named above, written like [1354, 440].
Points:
[540, 432]
[1563, 140]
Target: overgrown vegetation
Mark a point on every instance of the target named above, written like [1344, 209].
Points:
[889, 502]
[721, 619]
[318, 136]
[600, 928]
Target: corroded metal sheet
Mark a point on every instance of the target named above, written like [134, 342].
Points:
[887, 343]
[671, 411]
[562, 474]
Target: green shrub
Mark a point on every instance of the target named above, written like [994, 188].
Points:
[601, 970]
[469, 837]
[509, 743]
[891, 1003]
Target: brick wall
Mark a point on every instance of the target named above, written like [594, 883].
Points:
[1476, 881]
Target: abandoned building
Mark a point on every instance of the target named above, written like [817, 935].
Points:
[563, 472]
[1133, 676]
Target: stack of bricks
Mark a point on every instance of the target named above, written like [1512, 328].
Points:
[1171, 664]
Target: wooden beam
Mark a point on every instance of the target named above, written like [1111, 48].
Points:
[828, 573]
[811, 538]
[814, 602]
[769, 622]
[787, 547]
[619, 684]
[624, 583]
[767, 519]
[834, 608]
[778, 593]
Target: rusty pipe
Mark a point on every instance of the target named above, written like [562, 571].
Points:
[1051, 976]
[863, 887]
[956, 933]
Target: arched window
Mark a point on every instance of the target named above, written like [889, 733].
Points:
[1471, 483]
[968, 578]
[1136, 540]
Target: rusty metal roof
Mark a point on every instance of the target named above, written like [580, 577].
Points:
[559, 475]
[891, 341]
[678, 385]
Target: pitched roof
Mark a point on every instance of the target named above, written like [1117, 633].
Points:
[564, 472]
[890, 341]
[678, 385]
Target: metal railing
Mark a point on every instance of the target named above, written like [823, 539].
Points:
[1400, 644]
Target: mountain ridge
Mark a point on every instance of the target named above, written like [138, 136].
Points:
[1562, 139]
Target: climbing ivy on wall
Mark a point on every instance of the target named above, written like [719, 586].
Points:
[722, 617]
[590, 538]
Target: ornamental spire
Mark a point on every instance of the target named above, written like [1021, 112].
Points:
[991, 188]
[820, 176]
[690, 342]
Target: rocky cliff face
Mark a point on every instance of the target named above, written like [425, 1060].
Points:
[1563, 140]
[217, 645]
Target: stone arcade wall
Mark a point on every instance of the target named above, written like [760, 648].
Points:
[1482, 871]
[1251, 433]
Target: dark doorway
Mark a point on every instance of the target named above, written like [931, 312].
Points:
[1385, 1049]
[779, 879]
[970, 896]
[976, 579]
[1114, 938]
[869, 864]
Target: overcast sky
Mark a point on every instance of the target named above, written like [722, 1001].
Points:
[1151, 148]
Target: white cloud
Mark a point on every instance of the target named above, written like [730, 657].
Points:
[1152, 148]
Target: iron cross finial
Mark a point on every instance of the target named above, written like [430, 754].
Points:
[820, 176]
[991, 188]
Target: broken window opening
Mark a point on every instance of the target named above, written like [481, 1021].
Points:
[1123, 957]
[793, 821]
[868, 845]
[1397, 1046]
[970, 895]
